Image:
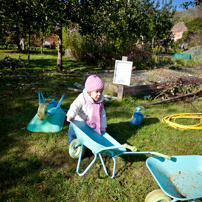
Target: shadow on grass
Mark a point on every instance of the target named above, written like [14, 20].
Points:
[42, 64]
[51, 64]
[45, 52]
[123, 131]
[48, 61]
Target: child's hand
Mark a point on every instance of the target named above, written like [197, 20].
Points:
[69, 118]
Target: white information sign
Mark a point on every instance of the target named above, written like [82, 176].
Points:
[122, 72]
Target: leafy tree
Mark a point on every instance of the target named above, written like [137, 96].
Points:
[161, 23]
[61, 13]
[121, 29]
[20, 18]
[136, 19]
[120, 22]
[194, 12]
[181, 16]
[195, 25]
[192, 3]
[11, 21]
[54, 12]
[35, 16]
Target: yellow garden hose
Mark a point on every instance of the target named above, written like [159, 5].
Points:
[170, 120]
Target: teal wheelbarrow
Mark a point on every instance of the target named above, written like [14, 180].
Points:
[50, 116]
[180, 179]
[99, 145]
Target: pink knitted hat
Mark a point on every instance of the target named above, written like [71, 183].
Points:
[93, 83]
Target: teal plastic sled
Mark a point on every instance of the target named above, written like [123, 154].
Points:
[54, 120]
[100, 145]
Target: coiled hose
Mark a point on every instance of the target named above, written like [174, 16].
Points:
[170, 120]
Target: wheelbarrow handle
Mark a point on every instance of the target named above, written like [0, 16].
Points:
[163, 155]
[40, 95]
[132, 148]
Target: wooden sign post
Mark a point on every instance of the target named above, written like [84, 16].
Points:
[122, 75]
[120, 92]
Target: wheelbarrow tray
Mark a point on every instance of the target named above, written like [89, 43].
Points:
[180, 178]
[94, 141]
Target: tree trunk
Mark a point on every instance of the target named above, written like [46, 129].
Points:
[174, 48]
[41, 45]
[28, 55]
[59, 60]
[18, 38]
[152, 43]
[166, 46]
[22, 43]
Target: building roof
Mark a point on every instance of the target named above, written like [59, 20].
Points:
[179, 27]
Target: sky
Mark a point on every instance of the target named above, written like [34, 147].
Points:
[177, 3]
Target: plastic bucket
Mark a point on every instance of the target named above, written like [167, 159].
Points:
[138, 116]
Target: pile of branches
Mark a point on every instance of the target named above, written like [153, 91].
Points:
[178, 87]
[10, 63]
[187, 88]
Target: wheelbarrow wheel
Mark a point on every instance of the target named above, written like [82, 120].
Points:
[42, 111]
[157, 196]
[74, 152]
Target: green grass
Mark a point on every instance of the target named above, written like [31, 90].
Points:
[37, 166]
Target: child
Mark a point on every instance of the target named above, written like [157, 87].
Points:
[88, 107]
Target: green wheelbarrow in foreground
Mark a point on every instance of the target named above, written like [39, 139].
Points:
[99, 145]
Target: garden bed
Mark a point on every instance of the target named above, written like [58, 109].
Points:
[147, 82]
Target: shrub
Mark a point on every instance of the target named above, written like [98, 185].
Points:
[103, 51]
[7, 47]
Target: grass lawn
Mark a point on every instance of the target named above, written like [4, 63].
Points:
[37, 166]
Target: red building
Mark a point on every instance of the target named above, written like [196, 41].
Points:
[50, 41]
